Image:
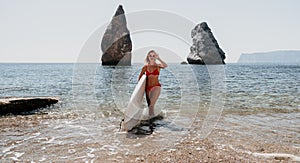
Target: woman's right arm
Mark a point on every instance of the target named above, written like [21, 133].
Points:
[143, 71]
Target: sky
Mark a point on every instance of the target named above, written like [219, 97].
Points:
[57, 30]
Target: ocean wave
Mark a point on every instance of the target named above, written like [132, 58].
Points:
[259, 110]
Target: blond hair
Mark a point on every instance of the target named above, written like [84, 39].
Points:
[147, 57]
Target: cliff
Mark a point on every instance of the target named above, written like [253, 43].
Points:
[284, 56]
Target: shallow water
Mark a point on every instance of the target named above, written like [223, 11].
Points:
[260, 102]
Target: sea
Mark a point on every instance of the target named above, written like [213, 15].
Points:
[249, 101]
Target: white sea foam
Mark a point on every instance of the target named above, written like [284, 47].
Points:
[273, 155]
[42, 159]
[59, 127]
[34, 135]
[270, 155]
[111, 149]
[17, 155]
[137, 145]
[50, 140]
[7, 149]
[90, 155]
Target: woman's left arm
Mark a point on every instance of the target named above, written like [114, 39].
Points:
[162, 63]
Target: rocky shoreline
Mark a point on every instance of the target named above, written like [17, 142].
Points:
[222, 145]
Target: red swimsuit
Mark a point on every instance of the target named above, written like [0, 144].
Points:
[155, 72]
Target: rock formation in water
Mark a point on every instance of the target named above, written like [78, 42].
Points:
[21, 105]
[205, 48]
[183, 63]
[116, 43]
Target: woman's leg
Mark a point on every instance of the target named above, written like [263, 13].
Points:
[153, 96]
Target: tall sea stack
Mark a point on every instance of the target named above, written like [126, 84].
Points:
[116, 43]
[205, 48]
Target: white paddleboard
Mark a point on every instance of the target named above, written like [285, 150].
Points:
[135, 109]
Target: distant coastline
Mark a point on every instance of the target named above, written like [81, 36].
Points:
[282, 56]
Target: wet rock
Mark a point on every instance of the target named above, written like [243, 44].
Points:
[116, 43]
[21, 105]
[281, 158]
[183, 63]
[261, 149]
[205, 48]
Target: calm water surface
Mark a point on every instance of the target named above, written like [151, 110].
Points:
[262, 99]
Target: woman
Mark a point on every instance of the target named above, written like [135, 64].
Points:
[153, 87]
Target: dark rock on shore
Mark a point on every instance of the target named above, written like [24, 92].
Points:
[205, 48]
[116, 43]
[20, 105]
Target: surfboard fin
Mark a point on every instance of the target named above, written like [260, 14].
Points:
[121, 124]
